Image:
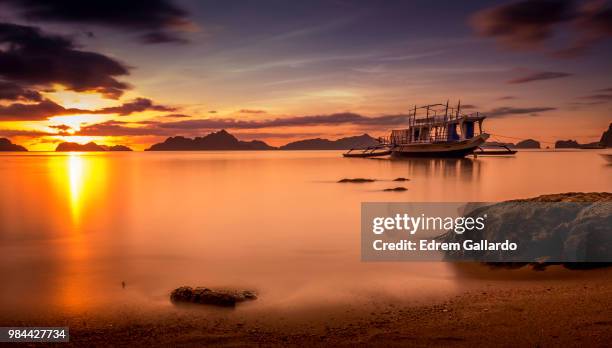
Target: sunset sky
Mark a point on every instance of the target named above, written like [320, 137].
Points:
[134, 73]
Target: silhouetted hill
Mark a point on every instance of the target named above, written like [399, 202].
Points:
[528, 144]
[325, 144]
[220, 140]
[6, 145]
[567, 144]
[606, 137]
[91, 146]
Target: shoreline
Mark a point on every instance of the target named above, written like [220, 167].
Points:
[506, 308]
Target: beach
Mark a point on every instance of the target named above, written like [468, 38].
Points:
[503, 308]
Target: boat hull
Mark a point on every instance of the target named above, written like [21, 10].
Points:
[454, 149]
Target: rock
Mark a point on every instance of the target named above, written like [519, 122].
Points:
[223, 298]
[528, 144]
[7, 145]
[356, 180]
[396, 189]
[119, 148]
[401, 179]
[606, 137]
[567, 144]
[550, 233]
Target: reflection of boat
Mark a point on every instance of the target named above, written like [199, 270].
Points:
[439, 131]
[607, 156]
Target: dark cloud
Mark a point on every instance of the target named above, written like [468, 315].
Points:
[333, 119]
[598, 97]
[509, 111]
[530, 23]
[33, 58]
[137, 105]
[604, 90]
[61, 127]
[538, 76]
[30, 112]
[469, 106]
[22, 133]
[118, 128]
[524, 23]
[157, 21]
[47, 108]
[13, 91]
[508, 97]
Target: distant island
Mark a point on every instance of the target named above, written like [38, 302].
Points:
[605, 141]
[324, 144]
[523, 144]
[91, 146]
[220, 140]
[7, 145]
[223, 140]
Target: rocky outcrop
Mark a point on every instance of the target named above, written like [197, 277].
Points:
[528, 144]
[355, 180]
[119, 148]
[89, 147]
[7, 145]
[567, 144]
[223, 298]
[568, 228]
[221, 140]
[606, 137]
[361, 141]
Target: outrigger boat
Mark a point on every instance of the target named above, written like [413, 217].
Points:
[439, 131]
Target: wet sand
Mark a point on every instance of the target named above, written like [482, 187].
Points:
[501, 308]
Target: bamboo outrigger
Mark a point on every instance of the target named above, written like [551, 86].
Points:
[438, 131]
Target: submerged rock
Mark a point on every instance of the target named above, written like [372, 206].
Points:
[546, 233]
[356, 180]
[223, 298]
[396, 189]
[401, 179]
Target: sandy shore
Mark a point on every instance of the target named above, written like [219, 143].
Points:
[550, 308]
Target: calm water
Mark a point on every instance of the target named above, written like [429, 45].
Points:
[74, 226]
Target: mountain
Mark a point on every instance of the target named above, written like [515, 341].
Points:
[91, 146]
[220, 140]
[6, 145]
[606, 137]
[324, 144]
[567, 144]
[528, 144]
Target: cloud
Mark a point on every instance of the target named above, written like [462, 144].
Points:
[47, 108]
[333, 119]
[118, 128]
[539, 76]
[251, 111]
[22, 133]
[33, 58]
[509, 111]
[522, 24]
[137, 105]
[508, 97]
[604, 90]
[598, 97]
[61, 127]
[176, 116]
[30, 112]
[13, 91]
[156, 21]
[531, 23]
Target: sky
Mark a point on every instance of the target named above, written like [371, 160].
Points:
[134, 73]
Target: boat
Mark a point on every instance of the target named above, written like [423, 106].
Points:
[434, 130]
[494, 150]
